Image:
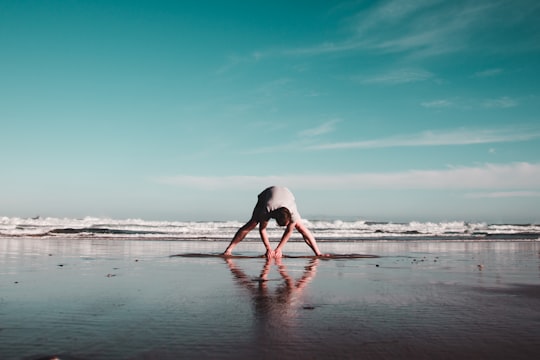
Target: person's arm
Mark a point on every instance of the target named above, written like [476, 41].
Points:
[264, 238]
[240, 235]
[308, 237]
[284, 238]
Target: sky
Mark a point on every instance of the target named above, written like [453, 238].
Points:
[385, 110]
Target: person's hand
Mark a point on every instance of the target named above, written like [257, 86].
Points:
[277, 253]
[269, 254]
[324, 255]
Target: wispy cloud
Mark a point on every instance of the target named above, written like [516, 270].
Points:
[503, 194]
[324, 128]
[442, 103]
[522, 178]
[500, 103]
[488, 73]
[420, 28]
[393, 11]
[402, 76]
[439, 138]
[271, 88]
[503, 102]
[236, 60]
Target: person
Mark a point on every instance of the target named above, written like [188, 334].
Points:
[275, 202]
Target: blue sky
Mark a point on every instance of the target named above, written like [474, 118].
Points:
[185, 110]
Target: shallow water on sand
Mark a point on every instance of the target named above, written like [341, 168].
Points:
[118, 299]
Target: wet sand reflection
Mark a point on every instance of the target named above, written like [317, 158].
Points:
[276, 306]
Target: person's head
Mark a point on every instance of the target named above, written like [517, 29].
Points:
[282, 216]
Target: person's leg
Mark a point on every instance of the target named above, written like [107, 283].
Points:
[239, 236]
[308, 237]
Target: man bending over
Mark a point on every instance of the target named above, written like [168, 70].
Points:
[277, 203]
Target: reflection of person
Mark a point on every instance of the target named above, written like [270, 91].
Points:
[277, 203]
[278, 303]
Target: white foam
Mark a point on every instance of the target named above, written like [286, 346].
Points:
[338, 229]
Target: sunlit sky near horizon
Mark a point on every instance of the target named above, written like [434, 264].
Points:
[186, 110]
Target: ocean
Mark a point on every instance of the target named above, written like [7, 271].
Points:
[222, 230]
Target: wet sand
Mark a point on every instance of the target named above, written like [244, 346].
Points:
[126, 299]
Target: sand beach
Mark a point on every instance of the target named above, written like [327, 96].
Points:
[91, 298]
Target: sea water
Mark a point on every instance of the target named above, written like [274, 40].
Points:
[218, 230]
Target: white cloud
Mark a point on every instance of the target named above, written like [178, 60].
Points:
[437, 104]
[488, 73]
[402, 76]
[421, 28]
[234, 61]
[324, 128]
[487, 177]
[503, 194]
[501, 103]
[328, 48]
[439, 138]
[273, 87]
[394, 10]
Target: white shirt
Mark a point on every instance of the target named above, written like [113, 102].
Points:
[273, 198]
